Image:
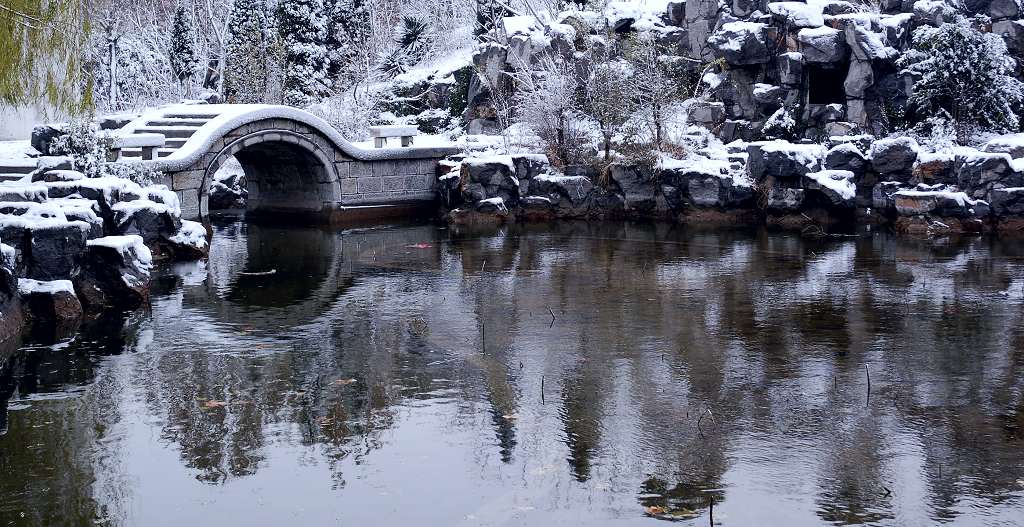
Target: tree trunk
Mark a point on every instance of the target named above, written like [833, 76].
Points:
[112, 57]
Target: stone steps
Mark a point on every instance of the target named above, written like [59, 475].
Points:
[190, 122]
[17, 166]
[11, 176]
[169, 131]
[186, 115]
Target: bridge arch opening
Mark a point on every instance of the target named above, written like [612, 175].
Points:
[285, 172]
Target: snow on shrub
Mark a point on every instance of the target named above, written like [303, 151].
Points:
[965, 72]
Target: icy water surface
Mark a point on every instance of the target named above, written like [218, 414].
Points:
[567, 375]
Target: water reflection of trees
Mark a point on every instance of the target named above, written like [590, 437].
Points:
[687, 357]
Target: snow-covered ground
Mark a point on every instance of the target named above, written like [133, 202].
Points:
[21, 149]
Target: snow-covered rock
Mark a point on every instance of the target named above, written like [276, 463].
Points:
[704, 182]
[797, 14]
[150, 220]
[846, 156]
[568, 195]
[17, 191]
[978, 173]
[1012, 144]
[48, 246]
[190, 242]
[741, 43]
[894, 158]
[868, 45]
[489, 177]
[52, 307]
[115, 273]
[782, 159]
[823, 44]
[837, 185]
[941, 203]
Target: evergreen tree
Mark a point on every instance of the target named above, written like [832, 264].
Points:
[245, 68]
[184, 54]
[304, 31]
[348, 33]
[967, 73]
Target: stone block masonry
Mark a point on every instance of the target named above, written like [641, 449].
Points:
[294, 162]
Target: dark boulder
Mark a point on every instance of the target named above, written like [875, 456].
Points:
[698, 187]
[52, 308]
[893, 159]
[979, 173]
[636, 185]
[115, 273]
[54, 248]
[779, 159]
[44, 135]
[150, 220]
[784, 199]
[11, 319]
[569, 194]
[528, 166]
[847, 156]
[489, 177]
[1006, 202]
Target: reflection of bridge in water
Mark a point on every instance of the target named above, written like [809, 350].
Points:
[294, 162]
[293, 276]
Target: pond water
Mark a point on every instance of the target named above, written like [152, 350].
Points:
[569, 374]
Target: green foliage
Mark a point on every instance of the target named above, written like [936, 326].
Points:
[413, 41]
[458, 100]
[41, 62]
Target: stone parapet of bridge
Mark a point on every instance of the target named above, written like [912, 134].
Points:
[294, 162]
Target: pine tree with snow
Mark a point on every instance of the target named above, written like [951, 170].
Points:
[348, 32]
[245, 68]
[304, 30]
[968, 73]
[184, 54]
[781, 125]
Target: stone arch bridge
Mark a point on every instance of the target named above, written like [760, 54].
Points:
[294, 162]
